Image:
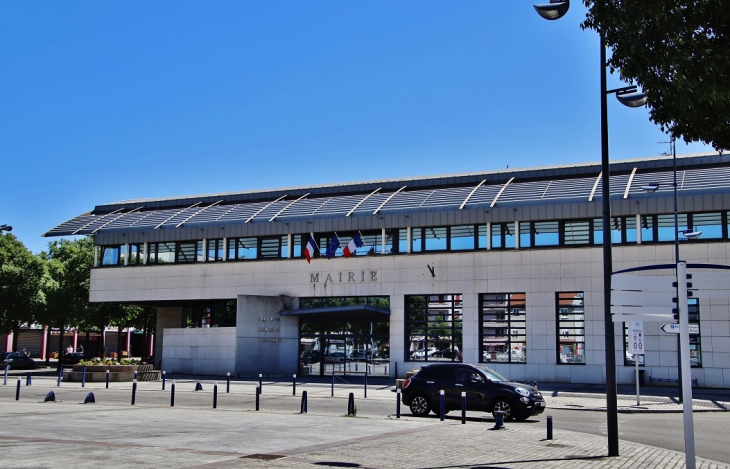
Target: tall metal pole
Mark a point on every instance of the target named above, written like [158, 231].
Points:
[610, 340]
[685, 366]
[676, 260]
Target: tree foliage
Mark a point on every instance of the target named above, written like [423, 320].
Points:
[678, 51]
[21, 277]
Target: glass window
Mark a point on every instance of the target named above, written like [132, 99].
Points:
[242, 248]
[136, 254]
[189, 251]
[710, 224]
[570, 327]
[647, 228]
[503, 236]
[665, 225]
[213, 314]
[482, 236]
[271, 247]
[417, 239]
[615, 230]
[525, 239]
[296, 241]
[503, 320]
[695, 342]
[577, 232]
[433, 327]
[630, 225]
[215, 250]
[112, 255]
[462, 237]
[546, 233]
[435, 238]
[402, 244]
[628, 356]
[161, 253]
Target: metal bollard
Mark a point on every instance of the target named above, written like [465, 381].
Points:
[351, 404]
[135, 374]
[27, 379]
[355, 366]
[385, 370]
[60, 375]
[83, 377]
[258, 393]
[395, 370]
[294, 385]
[442, 404]
[17, 391]
[366, 385]
[549, 427]
[303, 409]
[397, 404]
[163, 379]
[333, 382]
[134, 391]
[5, 381]
[228, 383]
[107, 379]
[215, 396]
[260, 383]
[310, 369]
[172, 394]
[463, 408]
[498, 420]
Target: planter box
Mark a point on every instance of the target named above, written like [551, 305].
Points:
[117, 373]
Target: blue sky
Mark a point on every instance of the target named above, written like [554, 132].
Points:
[106, 101]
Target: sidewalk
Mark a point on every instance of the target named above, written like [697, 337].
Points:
[193, 435]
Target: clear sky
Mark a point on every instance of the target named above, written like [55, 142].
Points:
[107, 101]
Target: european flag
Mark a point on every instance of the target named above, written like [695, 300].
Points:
[333, 246]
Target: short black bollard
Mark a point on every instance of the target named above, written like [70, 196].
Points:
[463, 408]
[90, 398]
[498, 420]
[198, 386]
[83, 377]
[60, 375]
[50, 397]
[17, 391]
[303, 409]
[135, 374]
[107, 379]
[294, 385]
[215, 396]
[442, 407]
[366, 384]
[27, 379]
[260, 383]
[258, 398]
[351, 404]
[549, 427]
[333, 382]
[228, 383]
[397, 404]
[164, 373]
[5, 381]
[134, 390]
[172, 394]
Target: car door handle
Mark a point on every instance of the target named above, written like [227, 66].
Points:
[460, 385]
[430, 382]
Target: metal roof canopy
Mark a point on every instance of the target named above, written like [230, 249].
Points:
[330, 313]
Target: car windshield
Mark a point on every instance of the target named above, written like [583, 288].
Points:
[491, 374]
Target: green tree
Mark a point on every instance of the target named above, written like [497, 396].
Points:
[21, 277]
[678, 51]
[67, 284]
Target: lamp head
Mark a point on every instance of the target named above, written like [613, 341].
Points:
[554, 10]
[6, 228]
[632, 98]
[690, 234]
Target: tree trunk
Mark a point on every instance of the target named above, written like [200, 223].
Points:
[119, 343]
[48, 345]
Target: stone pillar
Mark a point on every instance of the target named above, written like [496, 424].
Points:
[75, 339]
[267, 342]
[44, 342]
[167, 317]
[9, 342]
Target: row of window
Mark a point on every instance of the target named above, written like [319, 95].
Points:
[537, 234]
[433, 328]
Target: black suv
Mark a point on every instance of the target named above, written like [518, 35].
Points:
[486, 390]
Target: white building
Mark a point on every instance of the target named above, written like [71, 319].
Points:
[502, 266]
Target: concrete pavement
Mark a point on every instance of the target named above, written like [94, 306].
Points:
[192, 434]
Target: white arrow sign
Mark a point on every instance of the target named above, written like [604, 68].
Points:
[674, 328]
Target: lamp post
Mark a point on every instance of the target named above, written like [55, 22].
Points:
[5, 228]
[629, 97]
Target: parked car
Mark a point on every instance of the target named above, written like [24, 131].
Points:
[18, 361]
[486, 390]
[72, 358]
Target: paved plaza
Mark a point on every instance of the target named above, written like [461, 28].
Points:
[152, 433]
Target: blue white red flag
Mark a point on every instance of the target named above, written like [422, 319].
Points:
[332, 248]
[352, 246]
[310, 249]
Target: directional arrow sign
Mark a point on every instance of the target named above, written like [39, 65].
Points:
[694, 329]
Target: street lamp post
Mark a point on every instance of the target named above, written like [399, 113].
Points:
[5, 228]
[629, 97]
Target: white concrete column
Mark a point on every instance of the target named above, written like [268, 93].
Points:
[205, 249]
[96, 256]
[126, 261]
[146, 253]
[517, 235]
[289, 247]
[638, 229]
[382, 241]
[489, 236]
[225, 249]
[409, 237]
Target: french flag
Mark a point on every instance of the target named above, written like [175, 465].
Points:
[352, 246]
[309, 249]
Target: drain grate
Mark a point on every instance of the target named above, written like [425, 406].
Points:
[264, 457]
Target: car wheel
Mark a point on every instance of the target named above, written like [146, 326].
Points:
[420, 405]
[506, 406]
